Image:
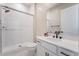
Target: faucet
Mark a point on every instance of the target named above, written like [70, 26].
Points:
[57, 33]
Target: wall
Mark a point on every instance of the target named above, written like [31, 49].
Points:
[41, 25]
[0, 33]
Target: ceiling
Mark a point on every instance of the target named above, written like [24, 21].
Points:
[45, 6]
[28, 4]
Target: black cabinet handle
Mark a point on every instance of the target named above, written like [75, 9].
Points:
[64, 54]
[46, 54]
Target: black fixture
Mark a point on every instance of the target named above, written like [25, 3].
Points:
[57, 33]
[7, 10]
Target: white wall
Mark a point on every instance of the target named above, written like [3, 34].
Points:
[0, 33]
[41, 23]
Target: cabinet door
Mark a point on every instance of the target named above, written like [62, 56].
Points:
[40, 50]
[48, 53]
[65, 52]
[17, 27]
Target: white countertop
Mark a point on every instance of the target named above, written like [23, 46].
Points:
[65, 43]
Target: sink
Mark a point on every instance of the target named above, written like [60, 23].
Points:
[53, 39]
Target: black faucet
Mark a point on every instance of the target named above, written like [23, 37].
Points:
[57, 33]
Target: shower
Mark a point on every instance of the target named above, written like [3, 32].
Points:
[17, 31]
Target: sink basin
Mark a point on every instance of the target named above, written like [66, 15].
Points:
[53, 39]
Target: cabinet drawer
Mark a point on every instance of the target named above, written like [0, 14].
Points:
[48, 53]
[48, 46]
[64, 52]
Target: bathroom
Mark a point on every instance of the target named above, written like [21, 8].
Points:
[39, 29]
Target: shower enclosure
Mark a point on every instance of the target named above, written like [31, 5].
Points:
[16, 27]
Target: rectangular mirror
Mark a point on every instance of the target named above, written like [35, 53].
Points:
[64, 17]
[70, 20]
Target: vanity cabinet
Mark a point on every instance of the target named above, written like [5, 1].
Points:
[49, 53]
[65, 52]
[47, 49]
[40, 50]
[44, 49]
[48, 46]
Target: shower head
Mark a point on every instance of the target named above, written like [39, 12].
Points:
[7, 11]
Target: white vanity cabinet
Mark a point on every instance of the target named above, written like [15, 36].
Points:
[49, 53]
[40, 50]
[65, 52]
[45, 48]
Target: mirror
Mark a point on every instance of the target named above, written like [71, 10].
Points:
[53, 20]
[64, 17]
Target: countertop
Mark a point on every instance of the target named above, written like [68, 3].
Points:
[65, 43]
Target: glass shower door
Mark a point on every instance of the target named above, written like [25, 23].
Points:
[18, 27]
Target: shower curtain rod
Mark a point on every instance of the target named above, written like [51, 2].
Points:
[17, 10]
